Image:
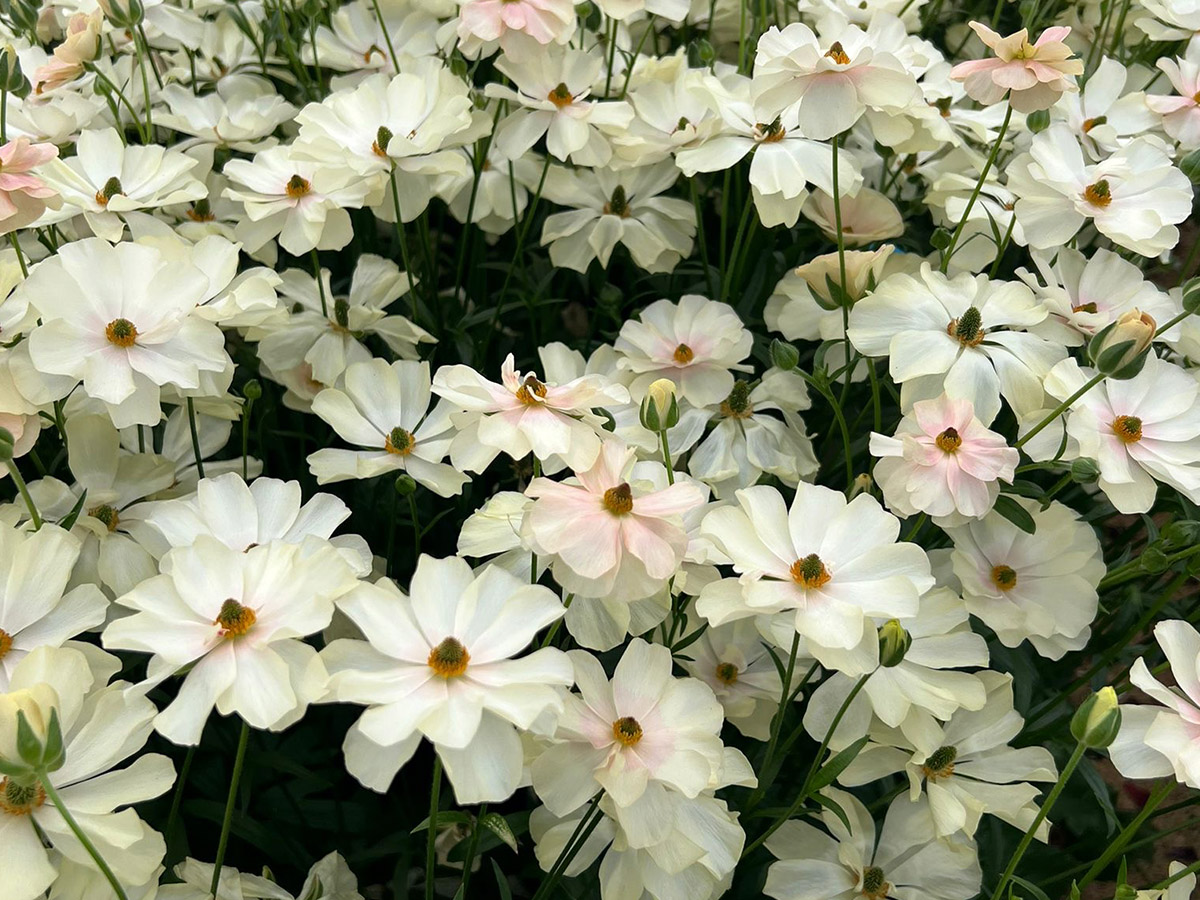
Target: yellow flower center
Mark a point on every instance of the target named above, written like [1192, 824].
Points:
[968, 328]
[298, 186]
[121, 332]
[1098, 194]
[111, 188]
[531, 391]
[20, 799]
[948, 441]
[1089, 124]
[727, 673]
[399, 441]
[106, 514]
[810, 572]
[6, 642]
[874, 887]
[619, 500]
[449, 658]
[837, 54]
[618, 204]
[940, 763]
[683, 354]
[771, 133]
[1085, 308]
[627, 731]
[737, 405]
[1004, 577]
[561, 95]
[1128, 428]
[383, 137]
[235, 619]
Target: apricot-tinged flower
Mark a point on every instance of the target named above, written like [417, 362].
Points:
[483, 21]
[1036, 74]
[1180, 111]
[23, 196]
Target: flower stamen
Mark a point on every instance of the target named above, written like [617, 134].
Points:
[949, 440]
[111, 188]
[531, 391]
[968, 328]
[399, 442]
[940, 763]
[449, 658]
[1004, 577]
[627, 731]
[561, 95]
[874, 887]
[683, 354]
[619, 500]
[838, 54]
[737, 405]
[18, 799]
[1098, 194]
[298, 186]
[121, 332]
[727, 673]
[6, 642]
[810, 572]
[1128, 428]
[106, 514]
[235, 619]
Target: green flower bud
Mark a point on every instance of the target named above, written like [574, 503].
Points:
[405, 485]
[894, 642]
[1191, 293]
[1085, 471]
[1098, 719]
[1154, 561]
[1119, 350]
[252, 390]
[1038, 121]
[660, 408]
[783, 355]
[6, 445]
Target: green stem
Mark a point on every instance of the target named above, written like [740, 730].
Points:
[1027, 839]
[841, 251]
[1181, 874]
[191, 410]
[1118, 844]
[472, 848]
[177, 797]
[587, 824]
[666, 455]
[83, 839]
[987, 167]
[24, 489]
[1059, 410]
[387, 37]
[416, 523]
[777, 722]
[727, 280]
[246, 410]
[435, 788]
[549, 638]
[12, 239]
[316, 264]
[403, 241]
[235, 778]
[143, 51]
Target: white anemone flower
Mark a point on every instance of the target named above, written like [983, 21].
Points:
[438, 663]
[241, 114]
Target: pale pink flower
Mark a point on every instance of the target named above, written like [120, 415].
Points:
[492, 20]
[1180, 111]
[602, 537]
[24, 197]
[942, 461]
[81, 45]
[1036, 74]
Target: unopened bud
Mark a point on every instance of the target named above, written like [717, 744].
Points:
[124, 13]
[1085, 471]
[1097, 721]
[660, 407]
[894, 642]
[252, 389]
[405, 485]
[6, 445]
[1038, 121]
[1191, 296]
[784, 356]
[1119, 350]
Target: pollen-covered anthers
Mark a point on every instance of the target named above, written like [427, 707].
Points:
[810, 572]
[1098, 194]
[1128, 428]
[874, 887]
[6, 642]
[235, 619]
[121, 332]
[1089, 124]
[737, 405]
[618, 204]
[1004, 577]
[18, 799]
[106, 514]
[838, 54]
[619, 500]
[399, 441]
[627, 731]
[449, 658]
[1086, 308]
[341, 314]
[683, 354]
[727, 673]
[560, 95]
[531, 391]
[770, 133]
[383, 137]
[949, 440]
[201, 211]
[298, 186]
[968, 328]
[111, 188]
[940, 763]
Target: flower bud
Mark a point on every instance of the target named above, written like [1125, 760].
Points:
[6, 445]
[660, 408]
[1085, 471]
[1153, 561]
[11, 78]
[123, 13]
[252, 389]
[1097, 721]
[1191, 295]
[1119, 350]
[405, 485]
[1190, 166]
[784, 356]
[1038, 121]
[894, 642]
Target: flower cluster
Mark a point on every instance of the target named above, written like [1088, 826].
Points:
[705, 447]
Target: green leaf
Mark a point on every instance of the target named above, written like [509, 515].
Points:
[501, 882]
[444, 817]
[837, 764]
[1103, 798]
[68, 521]
[29, 748]
[52, 751]
[1037, 892]
[688, 639]
[1015, 513]
[833, 807]
[498, 825]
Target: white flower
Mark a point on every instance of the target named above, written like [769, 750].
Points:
[383, 409]
[101, 727]
[802, 306]
[1163, 740]
[1139, 431]
[942, 461]
[36, 609]
[1135, 197]
[965, 766]
[1180, 112]
[438, 664]
[240, 114]
[837, 564]
[1039, 587]
[696, 343]
[612, 207]
[329, 879]
[354, 40]
[960, 334]
[120, 319]
[235, 620]
[1101, 114]
[908, 862]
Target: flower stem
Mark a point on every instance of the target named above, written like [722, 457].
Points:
[1059, 410]
[841, 251]
[387, 37]
[435, 788]
[16, 245]
[316, 264]
[1051, 799]
[666, 455]
[574, 844]
[987, 167]
[416, 523]
[776, 723]
[191, 409]
[24, 489]
[1118, 844]
[83, 839]
[472, 848]
[235, 778]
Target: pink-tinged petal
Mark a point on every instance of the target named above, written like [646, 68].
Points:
[674, 500]
[659, 545]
